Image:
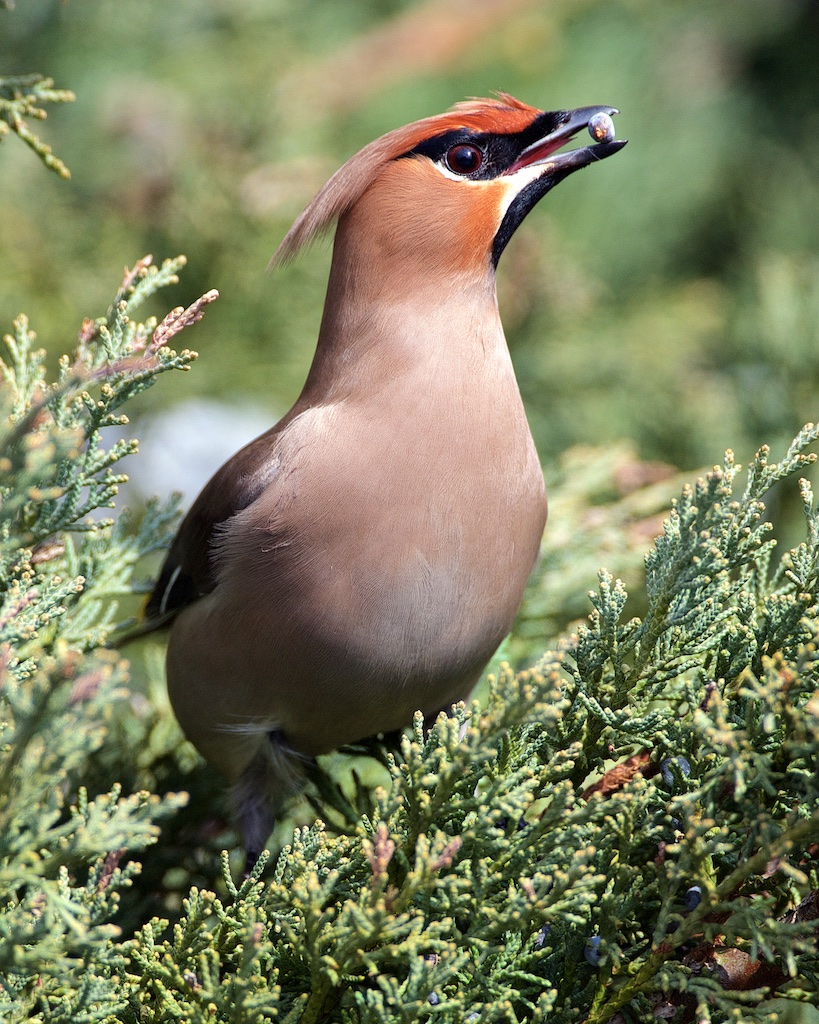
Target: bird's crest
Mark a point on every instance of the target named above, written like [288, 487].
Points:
[503, 114]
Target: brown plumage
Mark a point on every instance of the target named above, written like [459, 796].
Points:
[364, 558]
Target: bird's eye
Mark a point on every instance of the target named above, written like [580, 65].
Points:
[464, 159]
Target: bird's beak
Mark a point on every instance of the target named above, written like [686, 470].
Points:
[569, 123]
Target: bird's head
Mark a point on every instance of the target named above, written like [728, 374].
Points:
[448, 192]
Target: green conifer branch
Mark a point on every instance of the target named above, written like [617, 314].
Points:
[59, 468]
[60, 873]
[22, 97]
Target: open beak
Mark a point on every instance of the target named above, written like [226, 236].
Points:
[539, 153]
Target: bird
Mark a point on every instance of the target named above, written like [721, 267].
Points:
[364, 558]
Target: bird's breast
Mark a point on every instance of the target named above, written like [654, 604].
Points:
[402, 531]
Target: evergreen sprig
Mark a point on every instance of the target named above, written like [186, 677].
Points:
[22, 97]
[57, 468]
[61, 570]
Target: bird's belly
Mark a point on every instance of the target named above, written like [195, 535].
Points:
[402, 638]
[373, 648]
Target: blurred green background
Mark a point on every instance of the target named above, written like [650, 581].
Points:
[669, 296]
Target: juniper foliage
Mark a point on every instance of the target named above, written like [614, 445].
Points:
[22, 98]
[61, 570]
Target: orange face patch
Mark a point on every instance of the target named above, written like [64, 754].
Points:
[460, 218]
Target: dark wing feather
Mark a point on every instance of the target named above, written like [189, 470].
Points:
[188, 571]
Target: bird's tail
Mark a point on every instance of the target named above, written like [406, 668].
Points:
[267, 783]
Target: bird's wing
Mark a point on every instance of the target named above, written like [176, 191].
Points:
[187, 573]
